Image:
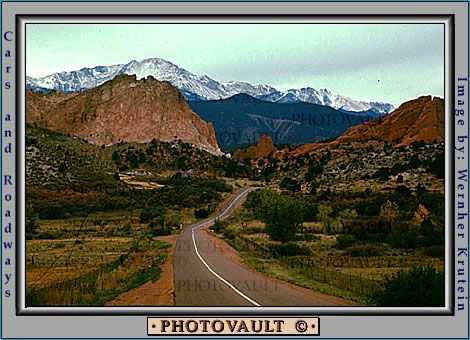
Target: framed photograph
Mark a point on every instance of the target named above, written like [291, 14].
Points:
[234, 169]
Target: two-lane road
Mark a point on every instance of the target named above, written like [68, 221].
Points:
[208, 273]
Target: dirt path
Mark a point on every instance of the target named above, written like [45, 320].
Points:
[156, 293]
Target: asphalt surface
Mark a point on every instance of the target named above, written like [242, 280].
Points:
[208, 274]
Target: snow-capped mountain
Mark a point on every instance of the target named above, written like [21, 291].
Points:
[74, 81]
[197, 87]
[327, 98]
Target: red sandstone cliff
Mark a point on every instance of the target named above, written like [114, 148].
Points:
[123, 109]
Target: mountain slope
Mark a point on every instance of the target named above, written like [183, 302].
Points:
[421, 119]
[85, 78]
[241, 119]
[327, 98]
[123, 109]
[418, 120]
[196, 87]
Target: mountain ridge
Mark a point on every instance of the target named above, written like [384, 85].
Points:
[197, 87]
[241, 119]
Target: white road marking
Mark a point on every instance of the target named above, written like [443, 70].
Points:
[253, 302]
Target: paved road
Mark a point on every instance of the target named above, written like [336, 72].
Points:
[208, 273]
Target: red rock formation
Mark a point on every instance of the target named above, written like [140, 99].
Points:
[262, 149]
[420, 119]
[123, 109]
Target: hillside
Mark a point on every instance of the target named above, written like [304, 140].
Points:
[123, 109]
[241, 119]
[403, 148]
[418, 120]
[55, 161]
[421, 119]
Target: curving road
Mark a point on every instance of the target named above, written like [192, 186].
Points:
[208, 272]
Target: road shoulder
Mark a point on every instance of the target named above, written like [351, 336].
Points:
[153, 293]
[222, 247]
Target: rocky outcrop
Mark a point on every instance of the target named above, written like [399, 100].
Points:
[421, 119]
[418, 120]
[123, 109]
[262, 149]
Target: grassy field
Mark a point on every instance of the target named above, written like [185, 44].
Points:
[88, 261]
[314, 261]
[93, 212]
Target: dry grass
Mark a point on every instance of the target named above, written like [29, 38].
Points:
[47, 263]
[81, 263]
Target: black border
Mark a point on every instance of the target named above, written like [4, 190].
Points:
[116, 312]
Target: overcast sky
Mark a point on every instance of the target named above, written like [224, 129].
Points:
[384, 62]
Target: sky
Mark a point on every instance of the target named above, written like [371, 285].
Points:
[380, 62]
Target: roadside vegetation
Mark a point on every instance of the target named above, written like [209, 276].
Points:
[367, 248]
[364, 221]
[90, 270]
[93, 213]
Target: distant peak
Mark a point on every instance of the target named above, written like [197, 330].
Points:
[202, 87]
[156, 60]
[242, 97]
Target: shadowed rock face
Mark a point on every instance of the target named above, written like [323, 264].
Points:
[241, 119]
[421, 119]
[123, 109]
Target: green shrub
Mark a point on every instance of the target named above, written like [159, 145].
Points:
[125, 230]
[345, 241]
[432, 251]
[201, 213]
[364, 250]
[333, 226]
[289, 184]
[364, 228]
[382, 174]
[159, 230]
[437, 165]
[219, 226]
[255, 229]
[284, 219]
[324, 213]
[310, 211]
[52, 212]
[374, 237]
[306, 237]
[58, 245]
[281, 213]
[152, 214]
[231, 232]
[289, 249]
[418, 287]
[403, 240]
[47, 235]
[32, 223]
[433, 234]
